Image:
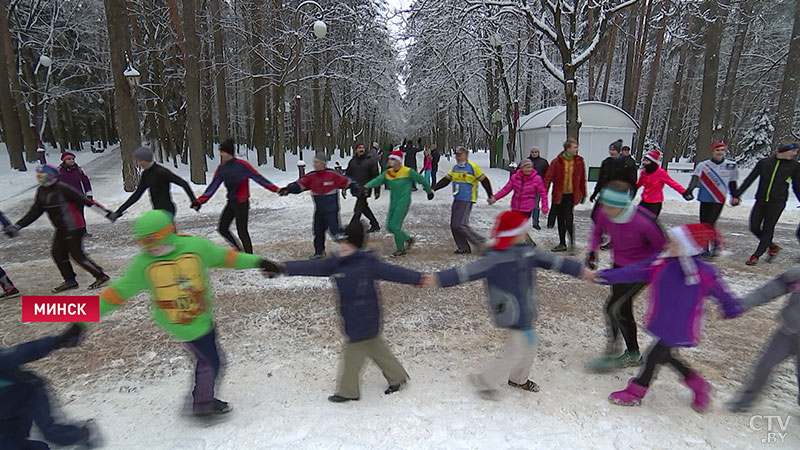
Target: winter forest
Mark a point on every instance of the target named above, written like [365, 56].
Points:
[279, 75]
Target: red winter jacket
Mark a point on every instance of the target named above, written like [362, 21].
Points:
[555, 175]
[654, 185]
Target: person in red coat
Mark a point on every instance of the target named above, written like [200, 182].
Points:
[567, 173]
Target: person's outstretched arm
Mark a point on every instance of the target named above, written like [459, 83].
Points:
[673, 184]
[86, 184]
[549, 261]
[397, 274]
[731, 306]
[470, 272]
[377, 181]
[312, 268]
[487, 185]
[34, 213]
[212, 188]
[782, 285]
[444, 181]
[137, 194]
[502, 192]
[751, 177]
[258, 178]
[629, 274]
[12, 357]
[175, 179]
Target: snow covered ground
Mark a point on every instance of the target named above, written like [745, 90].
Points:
[281, 339]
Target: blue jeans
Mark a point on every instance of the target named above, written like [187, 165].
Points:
[535, 214]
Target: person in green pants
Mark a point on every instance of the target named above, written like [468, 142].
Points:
[174, 268]
[398, 179]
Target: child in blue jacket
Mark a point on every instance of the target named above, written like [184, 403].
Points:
[509, 270]
[24, 399]
[355, 272]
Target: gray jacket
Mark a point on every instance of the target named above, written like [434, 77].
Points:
[786, 283]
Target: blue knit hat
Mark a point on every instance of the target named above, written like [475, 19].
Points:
[50, 174]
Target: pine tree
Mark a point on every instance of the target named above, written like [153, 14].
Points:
[757, 142]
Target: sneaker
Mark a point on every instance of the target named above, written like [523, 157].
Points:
[339, 399]
[630, 359]
[399, 253]
[374, 229]
[317, 256]
[394, 388]
[738, 406]
[462, 252]
[99, 282]
[65, 286]
[608, 363]
[409, 243]
[752, 261]
[537, 227]
[773, 252]
[559, 248]
[8, 295]
[213, 407]
[529, 386]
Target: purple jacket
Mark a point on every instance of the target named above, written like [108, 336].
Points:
[675, 309]
[75, 176]
[635, 241]
[526, 189]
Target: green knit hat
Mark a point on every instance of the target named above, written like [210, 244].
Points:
[153, 227]
[615, 198]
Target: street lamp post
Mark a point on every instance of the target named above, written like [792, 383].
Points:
[320, 30]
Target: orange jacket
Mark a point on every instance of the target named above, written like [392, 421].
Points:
[555, 175]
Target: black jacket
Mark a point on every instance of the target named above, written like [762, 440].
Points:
[62, 204]
[621, 169]
[158, 178]
[411, 156]
[436, 155]
[540, 165]
[775, 175]
[362, 169]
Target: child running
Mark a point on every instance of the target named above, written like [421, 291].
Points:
[509, 269]
[785, 342]
[653, 178]
[355, 271]
[679, 283]
[639, 238]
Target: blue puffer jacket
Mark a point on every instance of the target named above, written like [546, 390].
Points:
[355, 276]
[10, 373]
[510, 281]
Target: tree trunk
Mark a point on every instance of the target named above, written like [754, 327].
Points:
[644, 27]
[784, 125]
[28, 134]
[612, 45]
[317, 132]
[175, 19]
[11, 127]
[192, 83]
[674, 122]
[630, 65]
[124, 101]
[653, 77]
[713, 37]
[726, 106]
[259, 90]
[219, 76]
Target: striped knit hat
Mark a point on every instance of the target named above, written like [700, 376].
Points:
[614, 198]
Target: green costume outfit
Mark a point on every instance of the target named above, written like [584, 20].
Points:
[182, 300]
[399, 184]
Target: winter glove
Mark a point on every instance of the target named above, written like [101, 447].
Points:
[12, 231]
[735, 201]
[70, 337]
[430, 195]
[271, 268]
[113, 216]
[591, 260]
[377, 193]
[283, 192]
[583, 200]
[688, 196]
[492, 201]
[593, 197]
[90, 197]
[196, 205]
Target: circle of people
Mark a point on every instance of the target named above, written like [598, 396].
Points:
[674, 265]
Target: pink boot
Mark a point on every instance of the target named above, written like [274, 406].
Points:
[631, 396]
[701, 389]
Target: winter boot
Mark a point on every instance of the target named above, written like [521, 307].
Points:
[701, 389]
[630, 396]
[461, 251]
[752, 261]
[773, 252]
[374, 229]
[399, 253]
[214, 407]
[409, 243]
[529, 386]
[8, 295]
[559, 248]
[335, 398]
[99, 282]
[394, 388]
[65, 286]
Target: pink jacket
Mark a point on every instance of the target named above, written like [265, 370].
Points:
[525, 191]
[427, 163]
[654, 185]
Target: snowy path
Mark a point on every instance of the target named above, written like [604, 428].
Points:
[281, 338]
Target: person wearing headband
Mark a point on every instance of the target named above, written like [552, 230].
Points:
[775, 173]
[637, 237]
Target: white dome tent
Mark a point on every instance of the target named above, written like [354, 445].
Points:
[601, 124]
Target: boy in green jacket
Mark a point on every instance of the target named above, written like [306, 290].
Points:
[399, 178]
[174, 269]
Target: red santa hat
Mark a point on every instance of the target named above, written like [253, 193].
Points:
[694, 238]
[653, 155]
[507, 226]
[397, 154]
[66, 155]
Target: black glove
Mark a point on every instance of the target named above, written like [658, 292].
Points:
[591, 260]
[344, 193]
[430, 195]
[196, 205]
[271, 268]
[377, 194]
[12, 231]
[70, 337]
[593, 197]
[688, 196]
[583, 200]
[113, 216]
[284, 191]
